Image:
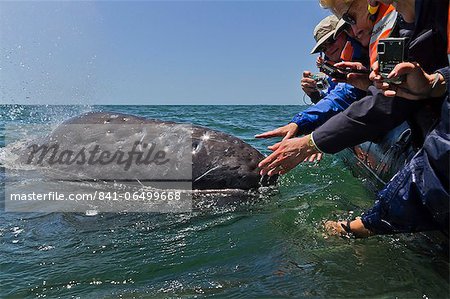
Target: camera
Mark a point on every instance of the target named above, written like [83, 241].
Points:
[391, 51]
[321, 81]
[333, 71]
[320, 84]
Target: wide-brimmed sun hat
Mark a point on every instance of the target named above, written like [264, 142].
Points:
[327, 29]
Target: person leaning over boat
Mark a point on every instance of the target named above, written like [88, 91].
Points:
[370, 118]
[329, 45]
[417, 197]
[425, 24]
[331, 39]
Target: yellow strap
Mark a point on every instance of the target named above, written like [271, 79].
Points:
[372, 9]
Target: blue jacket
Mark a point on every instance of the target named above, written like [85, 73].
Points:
[360, 54]
[337, 100]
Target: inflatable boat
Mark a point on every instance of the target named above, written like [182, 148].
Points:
[378, 162]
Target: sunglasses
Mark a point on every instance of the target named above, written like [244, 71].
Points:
[347, 17]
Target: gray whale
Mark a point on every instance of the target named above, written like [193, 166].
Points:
[220, 161]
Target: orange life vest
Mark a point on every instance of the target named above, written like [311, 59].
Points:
[385, 22]
[347, 52]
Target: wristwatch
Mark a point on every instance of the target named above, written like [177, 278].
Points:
[312, 144]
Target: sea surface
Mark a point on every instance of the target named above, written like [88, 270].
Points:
[272, 247]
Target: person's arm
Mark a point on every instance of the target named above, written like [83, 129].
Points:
[339, 99]
[368, 119]
[306, 121]
[316, 96]
[439, 155]
[416, 198]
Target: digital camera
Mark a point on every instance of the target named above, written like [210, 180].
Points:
[321, 81]
[391, 51]
[333, 71]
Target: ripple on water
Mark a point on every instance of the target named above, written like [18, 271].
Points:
[267, 247]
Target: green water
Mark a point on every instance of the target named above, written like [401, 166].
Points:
[271, 247]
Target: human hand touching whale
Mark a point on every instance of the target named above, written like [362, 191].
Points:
[288, 131]
[286, 155]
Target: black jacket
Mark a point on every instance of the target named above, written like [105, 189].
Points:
[417, 197]
[373, 116]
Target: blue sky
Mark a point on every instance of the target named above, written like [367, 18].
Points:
[156, 52]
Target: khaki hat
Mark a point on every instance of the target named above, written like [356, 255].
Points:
[326, 29]
[339, 27]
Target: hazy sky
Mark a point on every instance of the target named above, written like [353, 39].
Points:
[156, 52]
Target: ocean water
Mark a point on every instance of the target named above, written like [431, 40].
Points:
[273, 247]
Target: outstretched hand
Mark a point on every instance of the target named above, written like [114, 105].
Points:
[288, 131]
[314, 158]
[286, 155]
